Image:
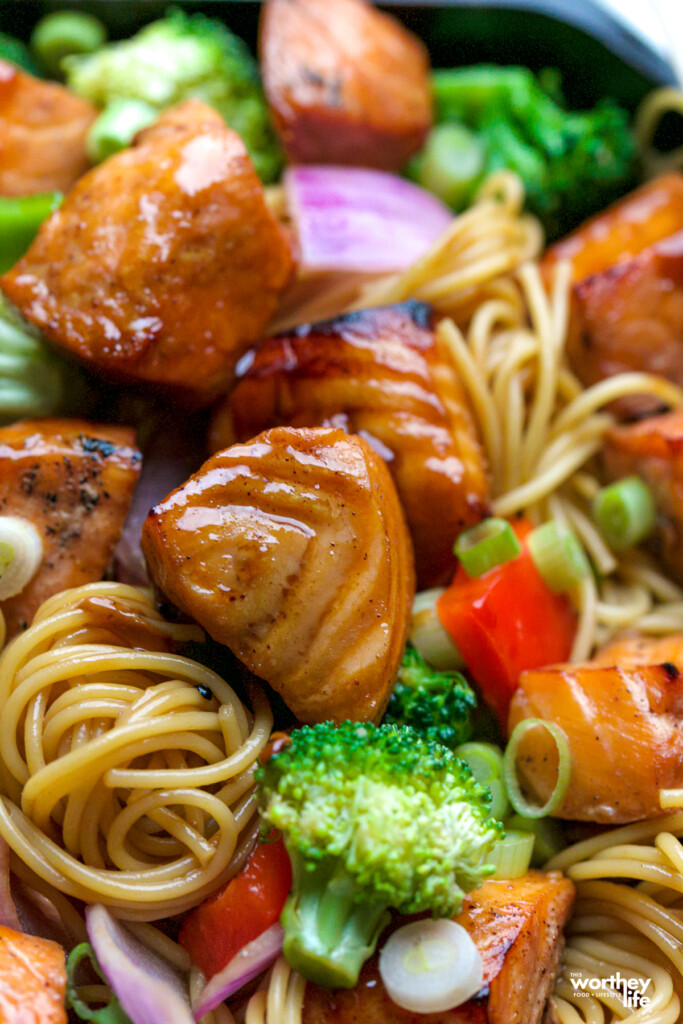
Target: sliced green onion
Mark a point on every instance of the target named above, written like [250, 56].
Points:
[500, 805]
[21, 552]
[112, 1013]
[431, 966]
[451, 165]
[485, 761]
[558, 556]
[486, 545]
[117, 126]
[428, 636]
[20, 218]
[514, 790]
[625, 512]
[64, 33]
[548, 838]
[511, 856]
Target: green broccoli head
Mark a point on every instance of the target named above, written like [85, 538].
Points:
[177, 58]
[373, 817]
[35, 381]
[438, 705]
[571, 163]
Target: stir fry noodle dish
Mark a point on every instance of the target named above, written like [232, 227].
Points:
[341, 532]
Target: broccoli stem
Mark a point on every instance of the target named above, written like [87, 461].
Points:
[329, 934]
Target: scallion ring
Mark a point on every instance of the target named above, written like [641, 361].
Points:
[451, 164]
[558, 556]
[485, 761]
[500, 805]
[511, 856]
[21, 552]
[431, 966]
[486, 545]
[625, 512]
[514, 790]
[429, 637]
[65, 33]
[112, 1013]
[548, 837]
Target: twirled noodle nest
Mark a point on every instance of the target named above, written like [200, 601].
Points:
[126, 769]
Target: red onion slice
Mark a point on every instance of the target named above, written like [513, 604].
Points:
[251, 961]
[355, 219]
[147, 987]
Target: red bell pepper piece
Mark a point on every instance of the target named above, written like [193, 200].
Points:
[506, 621]
[249, 904]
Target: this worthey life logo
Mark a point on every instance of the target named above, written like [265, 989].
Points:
[631, 991]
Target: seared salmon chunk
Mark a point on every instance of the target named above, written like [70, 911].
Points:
[626, 309]
[42, 134]
[381, 374]
[623, 230]
[346, 84]
[164, 263]
[653, 450]
[622, 714]
[517, 928]
[74, 482]
[32, 979]
[630, 317]
[292, 550]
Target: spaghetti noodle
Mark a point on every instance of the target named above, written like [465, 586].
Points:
[280, 1000]
[127, 770]
[619, 933]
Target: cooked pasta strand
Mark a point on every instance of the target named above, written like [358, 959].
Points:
[127, 772]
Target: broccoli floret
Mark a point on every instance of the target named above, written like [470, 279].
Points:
[34, 380]
[438, 705]
[373, 817]
[177, 58]
[572, 164]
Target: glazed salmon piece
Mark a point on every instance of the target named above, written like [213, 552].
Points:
[623, 230]
[292, 550]
[74, 482]
[42, 134]
[346, 84]
[164, 263]
[379, 373]
[32, 979]
[517, 927]
[653, 450]
[626, 308]
[630, 317]
[623, 717]
[635, 649]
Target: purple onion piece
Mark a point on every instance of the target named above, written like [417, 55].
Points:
[356, 219]
[252, 960]
[148, 988]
